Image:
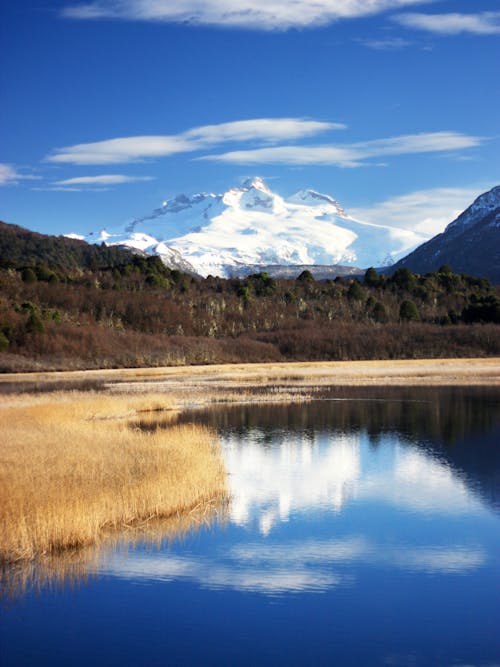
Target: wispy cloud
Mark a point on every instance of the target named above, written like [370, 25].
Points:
[136, 149]
[249, 14]
[351, 155]
[483, 23]
[264, 129]
[105, 179]
[9, 175]
[425, 211]
[120, 150]
[390, 44]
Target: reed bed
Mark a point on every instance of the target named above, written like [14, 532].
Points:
[73, 467]
[70, 567]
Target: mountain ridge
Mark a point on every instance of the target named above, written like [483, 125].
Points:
[470, 244]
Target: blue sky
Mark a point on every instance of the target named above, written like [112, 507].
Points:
[110, 107]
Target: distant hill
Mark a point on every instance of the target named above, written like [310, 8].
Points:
[19, 246]
[470, 244]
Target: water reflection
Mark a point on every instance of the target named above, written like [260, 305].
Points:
[320, 492]
[236, 574]
[362, 531]
[311, 566]
[442, 416]
[309, 475]
[454, 430]
[267, 484]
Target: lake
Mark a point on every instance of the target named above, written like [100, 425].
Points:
[363, 529]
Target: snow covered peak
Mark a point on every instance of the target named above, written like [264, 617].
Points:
[484, 204]
[313, 198]
[256, 183]
[181, 202]
[489, 200]
[252, 225]
[254, 195]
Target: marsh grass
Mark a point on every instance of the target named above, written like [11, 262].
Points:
[72, 469]
[72, 567]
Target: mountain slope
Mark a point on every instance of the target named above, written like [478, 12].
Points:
[221, 234]
[470, 244]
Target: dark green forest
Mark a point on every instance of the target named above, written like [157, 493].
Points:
[65, 304]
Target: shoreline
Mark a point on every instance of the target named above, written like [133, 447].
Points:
[404, 372]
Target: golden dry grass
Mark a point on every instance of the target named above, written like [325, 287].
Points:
[71, 566]
[72, 467]
[479, 371]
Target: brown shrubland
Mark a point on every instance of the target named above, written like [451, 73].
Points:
[142, 314]
[73, 467]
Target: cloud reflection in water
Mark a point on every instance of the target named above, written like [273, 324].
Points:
[293, 567]
[297, 480]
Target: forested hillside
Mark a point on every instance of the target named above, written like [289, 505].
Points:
[65, 304]
[19, 246]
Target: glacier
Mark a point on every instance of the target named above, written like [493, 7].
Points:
[250, 225]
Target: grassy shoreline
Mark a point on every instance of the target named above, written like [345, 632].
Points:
[74, 466]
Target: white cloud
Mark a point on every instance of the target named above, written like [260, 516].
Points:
[390, 44]
[250, 14]
[350, 155]
[120, 150]
[416, 143]
[135, 149]
[425, 211]
[264, 129]
[340, 550]
[60, 188]
[10, 176]
[105, 179]
[483, 23]
[293, 155]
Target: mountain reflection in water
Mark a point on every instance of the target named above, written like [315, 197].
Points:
[304, 477]
[451, 432]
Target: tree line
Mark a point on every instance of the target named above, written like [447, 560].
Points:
[99, 306]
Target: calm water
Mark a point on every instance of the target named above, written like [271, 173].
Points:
[364, 529]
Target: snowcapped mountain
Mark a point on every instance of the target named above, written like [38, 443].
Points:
[221, 234]
[470, 244]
